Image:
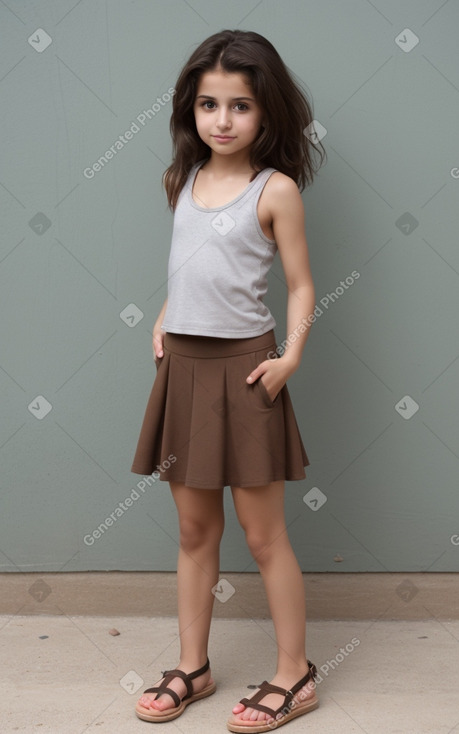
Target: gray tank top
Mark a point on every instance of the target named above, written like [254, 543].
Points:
[218, 265]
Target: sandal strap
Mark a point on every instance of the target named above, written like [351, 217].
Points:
[261, 707]
[197, 673]
[312, 673]
[169, 675]
[265, 688]
[163, 689]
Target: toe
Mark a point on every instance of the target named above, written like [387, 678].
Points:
[160, 704]
[249, 715]
[239, 708]
[144, 701]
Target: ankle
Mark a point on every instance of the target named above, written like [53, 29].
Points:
[191, 663]
[293, 672]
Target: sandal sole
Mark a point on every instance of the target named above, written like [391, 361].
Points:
[299, 710]
[173, 713]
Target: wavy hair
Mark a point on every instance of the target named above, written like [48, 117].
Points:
[281, 143]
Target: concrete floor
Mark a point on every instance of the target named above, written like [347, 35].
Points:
[66, 674]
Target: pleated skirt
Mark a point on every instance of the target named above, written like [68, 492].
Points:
[205, 426]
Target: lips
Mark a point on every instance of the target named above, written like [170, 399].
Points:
[223, 137]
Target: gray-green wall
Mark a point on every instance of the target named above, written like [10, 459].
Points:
[77, 251]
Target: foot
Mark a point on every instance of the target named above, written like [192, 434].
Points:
[147, 700]
[247, 715]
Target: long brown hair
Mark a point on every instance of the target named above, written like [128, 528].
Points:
[282, 143]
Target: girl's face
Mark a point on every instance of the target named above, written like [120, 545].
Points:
[228, 118]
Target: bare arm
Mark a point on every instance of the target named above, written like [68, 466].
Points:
[286, 207]
[289, 232]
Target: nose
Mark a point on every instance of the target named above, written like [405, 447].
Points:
[223, 119]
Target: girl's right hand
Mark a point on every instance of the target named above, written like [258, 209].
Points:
[158, 334]
[158, 339]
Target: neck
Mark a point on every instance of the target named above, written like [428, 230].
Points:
[221, 166]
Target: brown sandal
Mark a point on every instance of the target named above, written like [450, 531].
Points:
[180, 705]
[291, 708]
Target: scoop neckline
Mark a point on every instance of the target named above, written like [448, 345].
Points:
[195, 172]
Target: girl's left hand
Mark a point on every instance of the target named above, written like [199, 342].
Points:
[276, 373]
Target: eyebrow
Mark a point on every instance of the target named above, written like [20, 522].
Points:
[235, 99]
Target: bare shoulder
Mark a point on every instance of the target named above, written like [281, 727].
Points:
[281, 190]
[281, 182]
[280, 206]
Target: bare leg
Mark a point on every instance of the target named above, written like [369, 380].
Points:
[260, 511]
[201, 522]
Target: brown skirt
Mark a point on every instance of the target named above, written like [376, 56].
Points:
[204, 425]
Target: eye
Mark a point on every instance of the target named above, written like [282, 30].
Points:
[242, 107]
[206, 103]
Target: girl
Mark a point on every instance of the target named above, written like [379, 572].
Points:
[219, 413]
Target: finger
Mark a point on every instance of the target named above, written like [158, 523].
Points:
[158, 345]
[255, 374]
[259, 370]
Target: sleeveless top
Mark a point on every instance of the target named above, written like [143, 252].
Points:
[218, 265]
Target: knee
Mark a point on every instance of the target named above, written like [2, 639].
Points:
[260, 545]
[196, 534]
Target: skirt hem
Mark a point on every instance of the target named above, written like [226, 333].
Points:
[196, 484]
